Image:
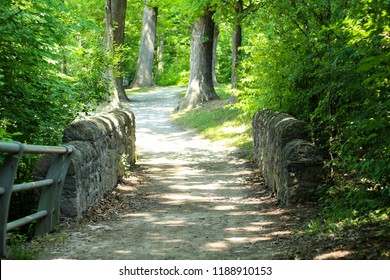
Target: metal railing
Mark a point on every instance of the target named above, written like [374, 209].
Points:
[47, 215]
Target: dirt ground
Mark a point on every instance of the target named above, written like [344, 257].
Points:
[188, 198]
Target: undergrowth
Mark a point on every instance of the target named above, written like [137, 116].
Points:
[17, 247]
[349, 203]
[22, 246]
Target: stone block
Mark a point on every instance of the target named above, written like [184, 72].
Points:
[292, 166]
[101, 142]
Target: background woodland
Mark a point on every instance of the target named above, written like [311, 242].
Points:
[323, 61]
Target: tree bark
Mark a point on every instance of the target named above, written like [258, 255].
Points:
[200, 85]
[115, 32]
[144, 73]
[215, 44]
[160, 55]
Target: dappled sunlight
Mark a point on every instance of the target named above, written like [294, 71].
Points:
[243, 213]
[199, 187]
[180, 222]
[333, 255]
[218, 234]
[231, 129]
[225, 207]
[276, 212]
[135, 215]
[189, 199]
[182, 198]
[247, 228]
[216, 246]
[229, 242]
[261, 224]
[285, 232]
[173, 241]
[239, 239]
[128, 188]
[123, 252]
[173, 163]
[230, 235]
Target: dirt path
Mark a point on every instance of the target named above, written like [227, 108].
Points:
[187, 199]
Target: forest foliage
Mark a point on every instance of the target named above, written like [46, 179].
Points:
[322, 61]
[327, 62]
[51, 65]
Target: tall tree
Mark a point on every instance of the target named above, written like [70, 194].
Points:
[215, 44]
[144, 73]
[200, 85]
[115, 29]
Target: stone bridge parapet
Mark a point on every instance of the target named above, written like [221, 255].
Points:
[104, 144]
[286, 157]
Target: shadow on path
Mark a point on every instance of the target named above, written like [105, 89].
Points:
[189, 199]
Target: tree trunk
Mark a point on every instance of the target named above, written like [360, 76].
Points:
[215, 44]
[144, 73]
[160, 54]
[200, 85]
[115, 31]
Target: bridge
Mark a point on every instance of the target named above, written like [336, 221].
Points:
[189, 198]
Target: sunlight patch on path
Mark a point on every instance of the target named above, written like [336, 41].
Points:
[193, 204]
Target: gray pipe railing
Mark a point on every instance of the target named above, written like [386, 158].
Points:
[47, 215]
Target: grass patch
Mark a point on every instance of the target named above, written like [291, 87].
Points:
[223, 92]
[23, 247]
[17, 248]
[217, 121]
[138, 90]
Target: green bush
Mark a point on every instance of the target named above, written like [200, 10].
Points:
[326, 62]
[52, 66]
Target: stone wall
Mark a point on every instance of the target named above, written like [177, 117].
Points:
[104, 144]
[287, 159]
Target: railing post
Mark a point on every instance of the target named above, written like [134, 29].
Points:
[7, 176]
[51, 196]
[64, 171]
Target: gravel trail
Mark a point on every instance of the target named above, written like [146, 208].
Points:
[190, 199]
